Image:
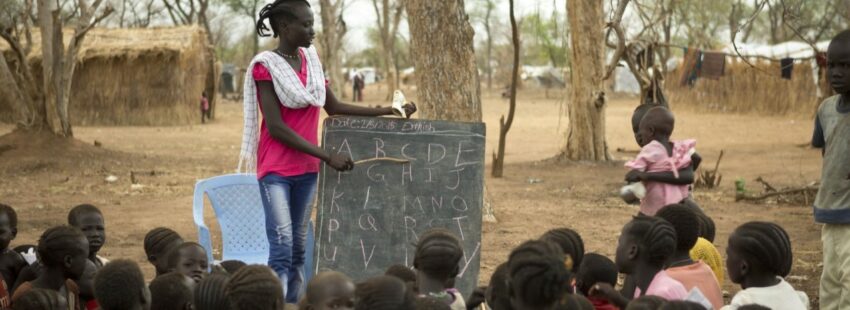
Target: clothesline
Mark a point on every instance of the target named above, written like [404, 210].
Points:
[742, 56]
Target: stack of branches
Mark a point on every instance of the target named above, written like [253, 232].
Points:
[801, 195]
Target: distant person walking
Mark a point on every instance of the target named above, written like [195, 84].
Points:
[359, 84]
[205, 108]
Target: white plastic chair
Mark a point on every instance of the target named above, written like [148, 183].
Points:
[235, 199]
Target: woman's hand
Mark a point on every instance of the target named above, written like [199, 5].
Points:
[340, 162]
[409, 109]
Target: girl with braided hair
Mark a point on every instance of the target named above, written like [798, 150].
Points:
[287, 85]
[63, 252]
[158, 245]
[537, 277]
[758, 258]
[437, 262]
[645, 245]
[254, 287]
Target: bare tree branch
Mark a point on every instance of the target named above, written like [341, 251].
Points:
[616, 25]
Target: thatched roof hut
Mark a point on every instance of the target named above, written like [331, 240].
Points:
[151, 76]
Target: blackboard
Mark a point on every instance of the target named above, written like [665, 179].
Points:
[412, 175]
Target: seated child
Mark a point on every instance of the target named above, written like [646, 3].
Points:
[644, 246]
[89, 220]
[172, 291]
[537, 276]
[158, 244]
[329, 290]
[255, 287]
[692, 274]
[402, 272]
[86, 285]
[384, 293]
[594, 269]
[11, 262]
[63, 252]
[210, 293]
[571, 244]
[659, 154]
[647, 303]
[437, 261]
[758, 258]
[120, 285]
[497, 294]
[430, 303]
[41, 299]
[190, 259]
[232, 266]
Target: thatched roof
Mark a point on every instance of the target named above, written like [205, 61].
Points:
[126, 43]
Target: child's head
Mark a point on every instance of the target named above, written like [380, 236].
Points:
[645, 240]
[64, 248]
[291, 20]
[758, 249]
[637, 116]
[383, 293]
[682, 305]
[657, 123]
[89, 220]
[330, 290]
[538, 277]
[172, 291]
[686, 224]
[431, 303]
[402, 272]
[647, 302]
[753, 307]
[190, 259]
[574, 302]
[158, 244]
[594, 269]
[838, 59]
[120, 285]
[210, 293]
[707, 230]
[232, 266]
[86, 281]
[8, 225]
[571, 244]
[438, 254]
[41, 299]
[498, 293]
[255, 287]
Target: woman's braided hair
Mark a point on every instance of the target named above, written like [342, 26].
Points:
[274, 11]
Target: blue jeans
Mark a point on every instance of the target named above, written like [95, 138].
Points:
[286, 202]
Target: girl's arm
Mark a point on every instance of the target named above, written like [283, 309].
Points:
[281, 132]
[334, 107]
[687, 175]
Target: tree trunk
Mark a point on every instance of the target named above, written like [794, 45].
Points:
[443, 55]
[51, 63]
[505, 126]
[488, 65]
[586, 138]
[9, 88]
[333, 30]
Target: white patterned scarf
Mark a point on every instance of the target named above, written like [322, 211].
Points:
[289, 90]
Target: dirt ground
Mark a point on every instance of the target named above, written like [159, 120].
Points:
[42, 177]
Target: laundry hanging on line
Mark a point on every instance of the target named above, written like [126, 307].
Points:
[786, 66]
[713, 65]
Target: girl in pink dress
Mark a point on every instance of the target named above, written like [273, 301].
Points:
[287, 85]
[659, 154]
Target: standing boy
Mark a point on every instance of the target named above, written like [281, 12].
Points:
[832, 205]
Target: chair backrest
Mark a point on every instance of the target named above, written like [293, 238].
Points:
[238, 207]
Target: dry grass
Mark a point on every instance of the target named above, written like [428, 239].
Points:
[136, 76]
[745, 89]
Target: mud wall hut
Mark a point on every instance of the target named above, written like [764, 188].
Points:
[142, 77]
